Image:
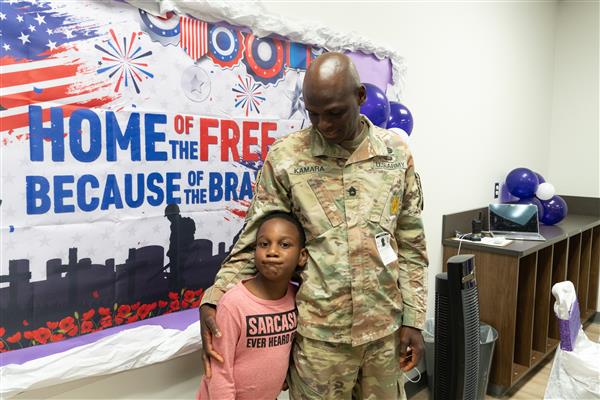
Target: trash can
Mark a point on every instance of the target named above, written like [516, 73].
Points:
[487, 340]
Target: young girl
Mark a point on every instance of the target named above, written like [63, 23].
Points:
[257, 318]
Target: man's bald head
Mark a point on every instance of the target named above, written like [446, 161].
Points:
[332, 96]
[332, 69]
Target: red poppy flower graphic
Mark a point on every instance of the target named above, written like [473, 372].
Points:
[87, 326]
[162, 303]
[95, 294]
[106, 322]
[14, 338]
[57, 337]
[28, 335]
[88, 314]
[104, 311]
[174, 306]
[188, 296]
[67, 325]
[42, 335]
[2, 331]
[173, 296]
[143, 311]
[52, 324]
[124, 310]
[25, 322]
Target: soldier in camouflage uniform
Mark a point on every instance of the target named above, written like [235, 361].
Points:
[362, 299]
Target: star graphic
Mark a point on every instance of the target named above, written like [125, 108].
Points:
[197, 86]
[44, 241]
[41, 19]
[51, 45]
[2, 16]
[49, 31]
[8, 178]
[297, 101]
[6, 46]
[69, 34]
[20, 18]
[24, 38]
[31, 28]
[9, 245]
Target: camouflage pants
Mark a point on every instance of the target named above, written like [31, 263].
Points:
[322, 370]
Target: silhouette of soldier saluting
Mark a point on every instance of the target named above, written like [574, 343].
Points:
[182, 236]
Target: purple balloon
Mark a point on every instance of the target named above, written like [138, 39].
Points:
[376, 107]
[540, 178]
[555, 210]
[522, 182]
[533, 200]
[505, 196]
[400, 117]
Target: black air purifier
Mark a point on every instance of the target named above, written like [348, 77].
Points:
[456, 331]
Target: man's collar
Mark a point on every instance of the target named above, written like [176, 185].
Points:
[371, 147]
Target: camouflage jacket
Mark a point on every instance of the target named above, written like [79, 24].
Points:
[343, 201]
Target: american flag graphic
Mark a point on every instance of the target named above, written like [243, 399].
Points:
[194, 37]
[39, 64]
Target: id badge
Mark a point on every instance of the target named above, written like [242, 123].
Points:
[386, 252]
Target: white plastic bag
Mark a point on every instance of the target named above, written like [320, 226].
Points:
[575, 374]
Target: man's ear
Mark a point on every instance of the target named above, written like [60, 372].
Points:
[303, 258]
[362, 94]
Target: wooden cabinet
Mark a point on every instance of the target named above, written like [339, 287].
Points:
[515, 284]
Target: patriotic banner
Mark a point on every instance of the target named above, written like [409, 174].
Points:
[194, 37]
[130, 145]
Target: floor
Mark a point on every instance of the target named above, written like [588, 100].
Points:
[535, 386]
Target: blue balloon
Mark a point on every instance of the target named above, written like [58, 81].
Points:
[533, 200]
[522, 182]
[400, 117]
[376, 107]
[555, 210]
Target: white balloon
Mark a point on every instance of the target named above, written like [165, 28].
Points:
[545, 191]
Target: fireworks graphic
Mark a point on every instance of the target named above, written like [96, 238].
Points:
[248, 95]
[122, 62]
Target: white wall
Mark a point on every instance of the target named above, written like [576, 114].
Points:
[574, 166]
[481, 89]
[479, 86]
